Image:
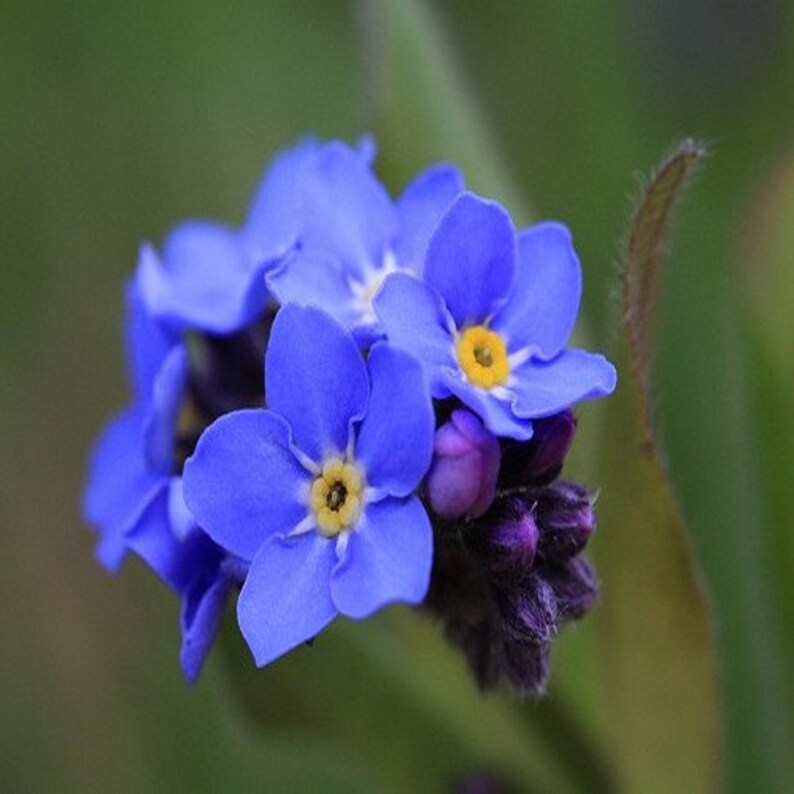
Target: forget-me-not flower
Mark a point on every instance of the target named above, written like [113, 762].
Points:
[352, 236]
[317, 491]
[134, 496]
[490, 319]
[130, 480]
[211, 276]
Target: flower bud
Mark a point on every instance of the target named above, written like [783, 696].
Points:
[507, 536]
[526, 666]
[462, 477]
[575, 587]
[565, 517]
[540, 459]
[529, 611]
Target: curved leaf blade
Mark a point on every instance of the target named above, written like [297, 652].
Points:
[645, 259]
[657, 645]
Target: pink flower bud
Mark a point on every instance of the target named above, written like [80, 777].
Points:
[462, 477]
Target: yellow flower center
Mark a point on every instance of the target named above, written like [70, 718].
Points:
[482, 356]
[336, 497]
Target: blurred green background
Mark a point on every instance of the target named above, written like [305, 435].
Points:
[118, 119]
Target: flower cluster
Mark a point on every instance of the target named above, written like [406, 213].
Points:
[348, 402]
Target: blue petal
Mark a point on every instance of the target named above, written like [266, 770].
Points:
[367, 149]
[243, 483]
[314, 279]
[206, 280]
[286, 599]
[497, 414]
[541, 310]
[182, 521]
[388, 559]
[345, 210]
[544, 388]
[175, 561]
[163, 414]
[316, 379]
[416, 321]
[203, 606]
[420, 209]
[148, 341]
[120, 485]
[366, 333]
[272, 227]
[111, 550]
[395, 442]
[471, 259]
[152, 540]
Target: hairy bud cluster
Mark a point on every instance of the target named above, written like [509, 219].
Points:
[520, 564]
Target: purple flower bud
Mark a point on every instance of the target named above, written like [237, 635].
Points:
[462, 477]
[507, 536]
[529, 611]
[539, 460]
[575, 587]
[517, 540]
[564, 514]
[527, 666]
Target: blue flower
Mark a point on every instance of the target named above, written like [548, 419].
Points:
[211, 276]
[134, 498]
[491, 318]
[129, 470]
[351, 236]
[317, 491]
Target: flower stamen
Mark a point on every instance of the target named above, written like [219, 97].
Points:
[336, 497]
[482, 356]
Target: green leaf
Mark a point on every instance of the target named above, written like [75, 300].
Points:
[655, 634]
[645, 259]
[766, 270]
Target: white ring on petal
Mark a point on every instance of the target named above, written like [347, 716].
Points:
[521, 356]
[342, 540]
[304, 526]
[305, 460]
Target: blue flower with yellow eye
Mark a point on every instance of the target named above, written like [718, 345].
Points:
[334, 485]
[134, 495]
[131, 486]
[211, 276]
[351, 236]
[490, 319]
[317, 491]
